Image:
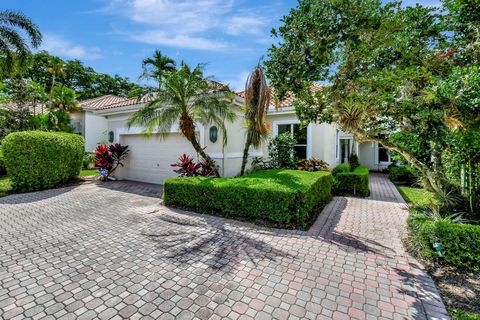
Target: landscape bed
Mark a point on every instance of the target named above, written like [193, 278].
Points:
[284, 198]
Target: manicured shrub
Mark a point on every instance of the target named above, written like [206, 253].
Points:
[460, 242]
[344, 167]
[38, 160]
[87, 162]
[286, 198]
[351, 182]
[353, 161]
[3, 169]
[403, 174]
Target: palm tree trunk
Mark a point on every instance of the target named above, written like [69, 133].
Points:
[245, 155]
[204, 155]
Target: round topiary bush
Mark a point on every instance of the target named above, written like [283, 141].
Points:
[37, 160]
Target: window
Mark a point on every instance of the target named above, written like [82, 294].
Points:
[383, 156]
[300, 134]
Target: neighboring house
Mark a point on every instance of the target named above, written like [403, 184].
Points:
[93, 127]
[151, 155]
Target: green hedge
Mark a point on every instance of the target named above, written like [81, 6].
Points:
[351, 182]
[38, 160]
[461, 242]
[3, 169]
[403, 174]
[286, 198]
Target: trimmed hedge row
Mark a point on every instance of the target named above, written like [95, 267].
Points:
[286, 198]
[351, 182]
[38, 160]
[461, 242]
[3, 169]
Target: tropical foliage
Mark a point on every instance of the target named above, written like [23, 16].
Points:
[281, 151]
[187, 167]
[109, 158]
[406, 77]
[186, 97]
[156, 66]
[17, 32]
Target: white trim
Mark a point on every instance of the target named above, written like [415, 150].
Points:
[296, 121]
[233, 155]
[309, 140]
[139, 130]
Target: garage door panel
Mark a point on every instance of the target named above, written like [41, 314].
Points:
[150, 158]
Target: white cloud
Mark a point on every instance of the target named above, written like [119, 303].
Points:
[244, 25]
[158, 37]
[59, 46]
[192, 24]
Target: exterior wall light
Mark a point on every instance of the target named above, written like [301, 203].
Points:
[213, 134]
[110, 136]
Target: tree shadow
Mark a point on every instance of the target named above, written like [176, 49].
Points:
[186, 239]
[133, 187]
[30, 197]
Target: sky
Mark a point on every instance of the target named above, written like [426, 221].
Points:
[114, 36]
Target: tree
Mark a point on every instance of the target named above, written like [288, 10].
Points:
[13, 44]
[379, 59]
[156, 66]
[187, 97]
[63, 99]
[57, 68]
[257, 101]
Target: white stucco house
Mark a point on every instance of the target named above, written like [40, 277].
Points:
[105, 119]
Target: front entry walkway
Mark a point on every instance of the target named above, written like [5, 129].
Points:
[113, 252]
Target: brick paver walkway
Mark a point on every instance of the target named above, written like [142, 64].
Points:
[107, 252]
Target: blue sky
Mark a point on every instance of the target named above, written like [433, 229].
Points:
[113, 36]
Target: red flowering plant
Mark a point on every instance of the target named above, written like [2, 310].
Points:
[188, 168]
[109, 158]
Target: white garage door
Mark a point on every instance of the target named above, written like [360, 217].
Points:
[150, 157]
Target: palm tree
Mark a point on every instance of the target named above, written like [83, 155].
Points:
[63, 99]
[12, 43]
[187, 97]
[156, 66]
[257, 100]
[57, 69]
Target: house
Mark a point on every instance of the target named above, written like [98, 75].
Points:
[151, 155]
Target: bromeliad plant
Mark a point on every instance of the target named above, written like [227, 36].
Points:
[312, 164]
[188, 168]
[109, 158]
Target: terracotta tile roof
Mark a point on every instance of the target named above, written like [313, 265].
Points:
[101, 102]
[289, 98]
[123, 103]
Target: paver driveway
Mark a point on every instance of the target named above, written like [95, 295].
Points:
[115, 252]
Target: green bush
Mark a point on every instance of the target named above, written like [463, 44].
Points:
[286, 198]
[353, 161]
[344, 167]
[351, 182]
[403, 174]
[38, 160]
[281, 151]
[3, 169]
[461, 242]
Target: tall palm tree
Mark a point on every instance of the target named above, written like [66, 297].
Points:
[12, 43]
[257, 100]
[156, 66]
[57, 68]
[63, 99]
[187, 97]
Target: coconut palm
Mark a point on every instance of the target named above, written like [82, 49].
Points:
[188, 98]
[12, 42]
[257, 100]
[156, 66]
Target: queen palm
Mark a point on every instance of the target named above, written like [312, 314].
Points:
[188, 98]
[257, 100]
[12, 42]
[156, 66]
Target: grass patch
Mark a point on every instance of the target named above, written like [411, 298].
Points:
[88, 173]
[284, 198]
[416, 196]
[5, 186]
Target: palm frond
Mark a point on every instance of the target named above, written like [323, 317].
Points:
[17, 19]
